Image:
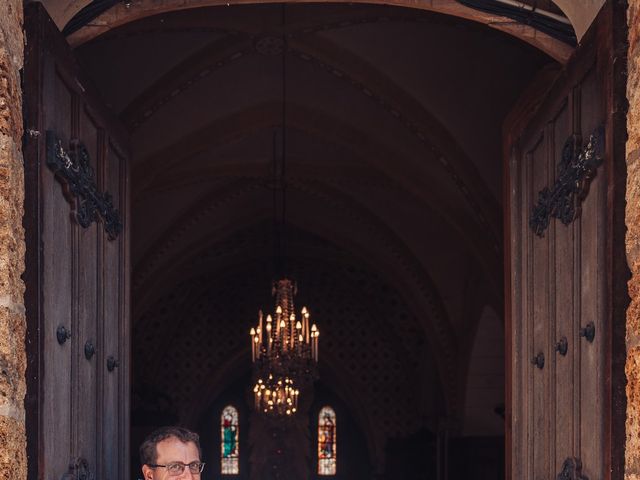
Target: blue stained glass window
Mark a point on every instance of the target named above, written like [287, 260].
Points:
[229, 441]
[327, 444]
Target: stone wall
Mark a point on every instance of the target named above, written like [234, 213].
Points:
[13, 462]
[633, 246]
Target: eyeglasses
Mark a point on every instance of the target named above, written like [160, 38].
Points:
[176, 468]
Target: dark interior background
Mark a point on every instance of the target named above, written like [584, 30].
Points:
[393, 170]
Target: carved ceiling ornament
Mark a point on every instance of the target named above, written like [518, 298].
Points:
[73, 170]
[577, 168]
[269, 45]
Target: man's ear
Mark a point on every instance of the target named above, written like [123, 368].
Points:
[147, 472]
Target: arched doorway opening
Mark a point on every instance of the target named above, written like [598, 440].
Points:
[392, 196]
[394, 150]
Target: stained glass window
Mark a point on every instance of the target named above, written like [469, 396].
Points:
[327, 446]
[229, 441]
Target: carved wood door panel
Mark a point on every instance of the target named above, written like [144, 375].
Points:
[563, 154]
[76, 214]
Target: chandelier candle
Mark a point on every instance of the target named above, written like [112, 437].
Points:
[285, 357]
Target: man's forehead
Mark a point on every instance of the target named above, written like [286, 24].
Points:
[174, 447]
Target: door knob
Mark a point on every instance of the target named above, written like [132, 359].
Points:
[62, 334]
[89, 350]
[112, 363]
[562, 346]
[538, 360]
[588, 332]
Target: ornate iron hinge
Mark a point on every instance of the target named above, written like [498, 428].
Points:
[73, 170]
[576, 170]
[571, 470]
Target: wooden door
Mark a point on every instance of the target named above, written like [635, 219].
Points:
[565, 236]
[77, 270]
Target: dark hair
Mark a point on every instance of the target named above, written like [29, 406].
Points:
[148, 450]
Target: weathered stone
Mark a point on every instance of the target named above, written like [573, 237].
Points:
[633, 213]
[633, 312]
[632, 464]
[11, 59]
[12, 355]
[10, 119]
[11, 29]
[633, 413]
[633, 85]
[13, 461]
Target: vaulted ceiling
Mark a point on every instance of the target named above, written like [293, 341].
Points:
[393, 154]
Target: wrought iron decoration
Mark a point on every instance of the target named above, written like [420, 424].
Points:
[74, 171]
[571, 470]
[577, 168]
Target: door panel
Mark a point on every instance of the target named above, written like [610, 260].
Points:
[549, 276]
[77, 266]
[561, 278]
[113, 286]
[592, 288]
[57, 271]
[562, 275]
[84, 387]
[538, 326]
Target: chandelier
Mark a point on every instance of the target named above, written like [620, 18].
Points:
[284, 348]
[284, 351]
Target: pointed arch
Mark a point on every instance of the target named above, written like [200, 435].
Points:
[120, 14]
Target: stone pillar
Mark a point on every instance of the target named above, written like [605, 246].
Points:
[632, 460]
[13, 462]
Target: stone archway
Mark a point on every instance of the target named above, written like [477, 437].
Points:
[11, 412]
[120, 14]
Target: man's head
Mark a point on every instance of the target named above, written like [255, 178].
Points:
[170, 453]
